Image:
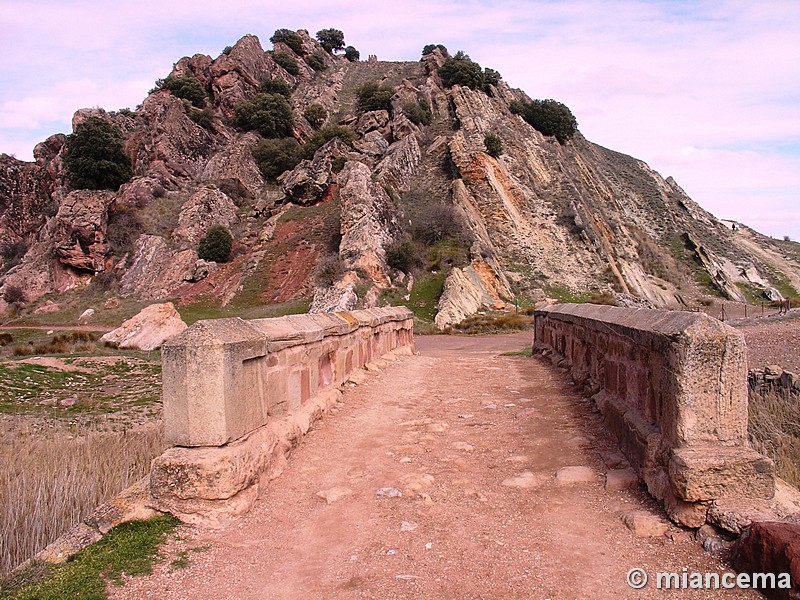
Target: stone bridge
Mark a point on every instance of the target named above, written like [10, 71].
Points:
[486, 454]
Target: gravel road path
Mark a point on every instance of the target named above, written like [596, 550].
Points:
[473, 441]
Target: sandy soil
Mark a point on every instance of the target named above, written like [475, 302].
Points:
[448, 427]
[773, 341]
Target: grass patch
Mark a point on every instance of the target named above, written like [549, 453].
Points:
[205, 310]
[774, 428]
[425, 294]
[564, 294]
[128, 549]
[527, 351]
[781, 282]
[752, 293]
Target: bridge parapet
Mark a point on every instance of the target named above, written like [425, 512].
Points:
[672, 387]
[239, 394]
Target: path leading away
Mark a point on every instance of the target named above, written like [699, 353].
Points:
[473, 441]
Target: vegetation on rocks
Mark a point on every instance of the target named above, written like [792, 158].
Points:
[276, 156]
[548, 117]
[95, 158]
[287, 61]
[429, 48]
[351, 54]
[493, 144]
[269, 114]
[372, 96]
[418, 112]
[185, 87]
[462, 70]
[291, 38]
[316, 62]
[331, 39]
[315, 114]
[216, 244]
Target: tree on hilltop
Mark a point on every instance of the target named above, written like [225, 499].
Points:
[331, 39]
[95, 158]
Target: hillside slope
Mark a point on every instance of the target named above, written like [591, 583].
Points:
[404, 205]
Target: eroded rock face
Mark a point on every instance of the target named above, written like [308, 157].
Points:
[207, 207]
[150, 328]
[156, 269]
[368, 222]
[235, 164]
[308, 181]
[468, 290]
[80, 231]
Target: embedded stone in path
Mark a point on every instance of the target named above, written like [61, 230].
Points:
[644, 524]
[621, 479]
[525, 480]
[334, 494]
[575, 475]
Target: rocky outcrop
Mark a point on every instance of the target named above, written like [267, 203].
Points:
[309, 180]
[80, 230]
[235, 166]
[399, 164]
[150, 328]
[156, 269]
[771, 548]
[368, 223]
[207, 207]
[468, 290]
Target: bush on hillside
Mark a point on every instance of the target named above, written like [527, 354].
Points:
[316, 62]
[315, 114]
[418, 112]
[290, 38]
[548, 117]
[462, 70]
[269, 114]
[325, 135]
[372, 96]
[493, 143]
[287, 61]
[216, 244]
[184, 87]
[275, 86]
[95, 158]
[431, 47]
[351, 54]
[274, 157]
[331, 39]
[403, 256]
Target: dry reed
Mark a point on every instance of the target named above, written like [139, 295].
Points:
[774, 426]
[49, 482]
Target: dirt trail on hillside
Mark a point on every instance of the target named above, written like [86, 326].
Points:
[451, 428]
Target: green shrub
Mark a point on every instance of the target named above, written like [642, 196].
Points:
[431, 47]
[227, 50]
[329, 270]
[316, 62]
[204, 118]
[330, 39]
[274, 157]
[462, 70]
[269, 114]
[494, 145]
[351, 54]
[403, 256]
[124, 226]
[417, 112]
[275, 86]
[94, 157]
[337, 164]
[287, 61]
[184, 87]
[13, 294]
[372, 96]
[325, 135]
[290, 38]
[216, 244]
[548, 117]
[315, 114]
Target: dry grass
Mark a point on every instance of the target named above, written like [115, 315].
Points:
[774, 426]
[49, 482]
[492, 323]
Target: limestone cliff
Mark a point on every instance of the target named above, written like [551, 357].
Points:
[410, 194]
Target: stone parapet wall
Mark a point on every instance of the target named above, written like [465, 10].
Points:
[672, 388]
[239, 394]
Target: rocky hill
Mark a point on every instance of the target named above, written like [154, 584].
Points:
[400, 204]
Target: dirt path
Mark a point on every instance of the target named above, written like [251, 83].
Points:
[451, 428]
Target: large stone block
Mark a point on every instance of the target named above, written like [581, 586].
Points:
[773, 548]
[712, 472]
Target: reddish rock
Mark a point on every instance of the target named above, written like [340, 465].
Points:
[771, 547]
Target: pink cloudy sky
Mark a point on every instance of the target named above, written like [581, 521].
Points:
[705, 91]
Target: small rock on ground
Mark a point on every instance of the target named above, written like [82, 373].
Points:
[644, 524]
[574, 475]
